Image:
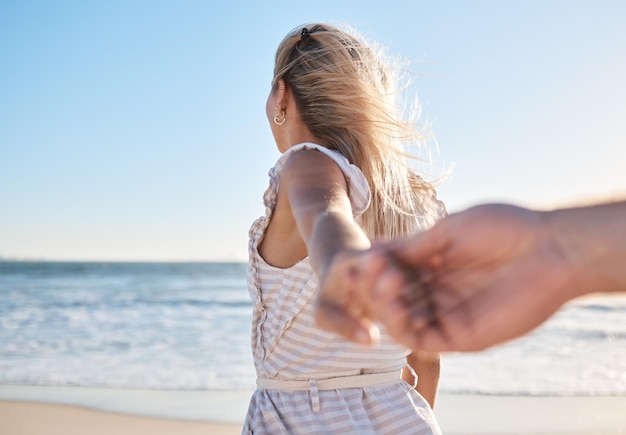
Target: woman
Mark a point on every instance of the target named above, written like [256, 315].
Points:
[340, 182]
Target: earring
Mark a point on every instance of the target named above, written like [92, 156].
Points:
[279, 118]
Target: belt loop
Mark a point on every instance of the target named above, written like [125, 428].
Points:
[315, 397]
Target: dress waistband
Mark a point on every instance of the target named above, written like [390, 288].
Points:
[354, 381]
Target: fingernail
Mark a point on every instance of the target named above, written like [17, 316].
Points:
[367, 336]
[374, 334]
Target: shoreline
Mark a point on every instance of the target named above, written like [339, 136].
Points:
[57, 410]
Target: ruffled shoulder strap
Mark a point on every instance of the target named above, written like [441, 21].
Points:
[358, 189]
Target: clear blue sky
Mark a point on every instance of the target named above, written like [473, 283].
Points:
[136, 130]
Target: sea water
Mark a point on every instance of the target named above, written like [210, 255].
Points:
[186, 326]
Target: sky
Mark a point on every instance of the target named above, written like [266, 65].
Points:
[136, 131]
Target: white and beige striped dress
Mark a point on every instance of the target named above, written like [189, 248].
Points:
[311, 381]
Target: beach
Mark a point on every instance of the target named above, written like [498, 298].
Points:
[134, 348]
[76, 410]
[19, 418]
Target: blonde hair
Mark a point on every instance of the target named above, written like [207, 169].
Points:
[347, 97]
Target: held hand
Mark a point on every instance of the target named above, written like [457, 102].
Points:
[342, 307]
[478, 278]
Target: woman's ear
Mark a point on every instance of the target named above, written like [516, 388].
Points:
[282, 94]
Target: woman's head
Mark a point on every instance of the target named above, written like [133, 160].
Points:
[347, 96]
[339, 84]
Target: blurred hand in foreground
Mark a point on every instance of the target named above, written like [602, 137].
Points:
[479, 277]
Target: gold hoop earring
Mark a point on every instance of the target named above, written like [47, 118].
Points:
[279, 118]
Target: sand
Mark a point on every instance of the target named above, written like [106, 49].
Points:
[75, 410]
[22, 418]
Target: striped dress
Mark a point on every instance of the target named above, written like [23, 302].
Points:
[288, 347]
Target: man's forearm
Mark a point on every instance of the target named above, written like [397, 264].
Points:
[594, 240]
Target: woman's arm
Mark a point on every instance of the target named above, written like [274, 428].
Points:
[427, 367]
[317, 193]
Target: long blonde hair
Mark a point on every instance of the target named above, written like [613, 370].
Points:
[347, 97]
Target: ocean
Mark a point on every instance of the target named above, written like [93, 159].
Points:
[186, 326]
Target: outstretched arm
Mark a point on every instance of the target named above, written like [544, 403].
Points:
[318, 196]
[317, 193]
